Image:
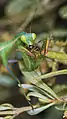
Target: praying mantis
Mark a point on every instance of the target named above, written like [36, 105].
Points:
[19, 42]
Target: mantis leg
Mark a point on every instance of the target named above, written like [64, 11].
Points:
[5, 62]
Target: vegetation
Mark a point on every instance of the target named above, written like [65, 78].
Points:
[36, 60]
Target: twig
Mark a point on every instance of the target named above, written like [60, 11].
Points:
[16, 111]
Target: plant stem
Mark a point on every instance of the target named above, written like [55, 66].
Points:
[17, 111]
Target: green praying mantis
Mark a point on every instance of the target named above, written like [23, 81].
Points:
[19, 43]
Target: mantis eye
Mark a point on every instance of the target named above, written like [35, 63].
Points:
[33, 36]
[23, 38]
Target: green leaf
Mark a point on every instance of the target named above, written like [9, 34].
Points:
[51, 74]
[59, 56]
[39, 95]
[42, 85]
[40, 109]
[5, 107]
[26, 86]
[8, 117]
[36, 89]
[39, 83]
[29, 76]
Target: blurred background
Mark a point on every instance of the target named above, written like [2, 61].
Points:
[41, 17]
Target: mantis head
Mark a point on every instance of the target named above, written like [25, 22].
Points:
[28, 38]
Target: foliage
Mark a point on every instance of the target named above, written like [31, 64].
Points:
[41, 61]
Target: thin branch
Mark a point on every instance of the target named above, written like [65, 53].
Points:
[17, 111]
